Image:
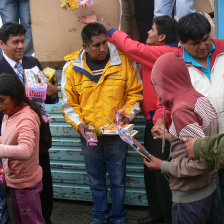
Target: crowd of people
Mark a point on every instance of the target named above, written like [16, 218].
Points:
[180, 91]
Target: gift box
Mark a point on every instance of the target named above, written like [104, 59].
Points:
[110, 129]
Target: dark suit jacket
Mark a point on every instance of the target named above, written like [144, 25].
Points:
[28, 62]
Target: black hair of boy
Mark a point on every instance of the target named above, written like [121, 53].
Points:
[166, 25]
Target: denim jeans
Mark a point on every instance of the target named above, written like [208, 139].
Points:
[18, 11]
[108, 157]
[165, 7]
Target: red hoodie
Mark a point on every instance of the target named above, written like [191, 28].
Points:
[192, 116]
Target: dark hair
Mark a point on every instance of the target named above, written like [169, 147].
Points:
[10, 85]
[166, 25]
[92, 29]
[11, 29]
[192, 27]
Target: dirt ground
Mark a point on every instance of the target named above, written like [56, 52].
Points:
[76, 212]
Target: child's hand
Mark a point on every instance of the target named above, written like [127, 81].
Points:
[154, 164]
[189, 145]
[157, 130]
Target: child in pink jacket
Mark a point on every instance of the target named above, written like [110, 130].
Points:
[19, 149]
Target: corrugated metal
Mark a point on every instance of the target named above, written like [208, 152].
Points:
[70, 180]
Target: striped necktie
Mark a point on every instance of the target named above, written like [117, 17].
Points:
[20, 71]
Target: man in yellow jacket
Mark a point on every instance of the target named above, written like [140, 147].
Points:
[96, 81]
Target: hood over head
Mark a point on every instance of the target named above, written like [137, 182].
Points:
[170, 77]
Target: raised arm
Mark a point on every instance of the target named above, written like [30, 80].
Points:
[141, 53]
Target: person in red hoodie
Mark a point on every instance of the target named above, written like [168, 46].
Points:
[19, 148]
[162, 33]
[194, 194]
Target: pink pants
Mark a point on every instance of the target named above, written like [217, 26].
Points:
[27, 205]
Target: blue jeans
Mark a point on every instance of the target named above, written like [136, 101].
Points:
[165, 7]
[108, 157]
[18, 11]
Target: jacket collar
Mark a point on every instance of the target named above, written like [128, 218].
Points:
[18, 108]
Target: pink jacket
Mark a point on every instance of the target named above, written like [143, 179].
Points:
[19, 148]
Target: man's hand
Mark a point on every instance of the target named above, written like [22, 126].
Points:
[157, 130]
[189, 144]
[93, 18]
[154, 165]
[51, 90]
[105, 24]
[88, 19]
[81, 129]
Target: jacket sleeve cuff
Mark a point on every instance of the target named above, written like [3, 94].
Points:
[110, 32]
[165, 167]
[197, 149]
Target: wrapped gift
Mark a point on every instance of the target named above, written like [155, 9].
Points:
[35, 84]
[91, 137]
[75, 4]
[110, 129]
[69, 4]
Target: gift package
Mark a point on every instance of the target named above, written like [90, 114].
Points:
[91, 137]
[75, 4]
[110, 129]
[35, 84]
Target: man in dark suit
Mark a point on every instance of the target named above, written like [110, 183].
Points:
[12, 42]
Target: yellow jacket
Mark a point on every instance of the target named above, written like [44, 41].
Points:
[84, 100]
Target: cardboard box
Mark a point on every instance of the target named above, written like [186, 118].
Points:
[56, 32]
[206, 6]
